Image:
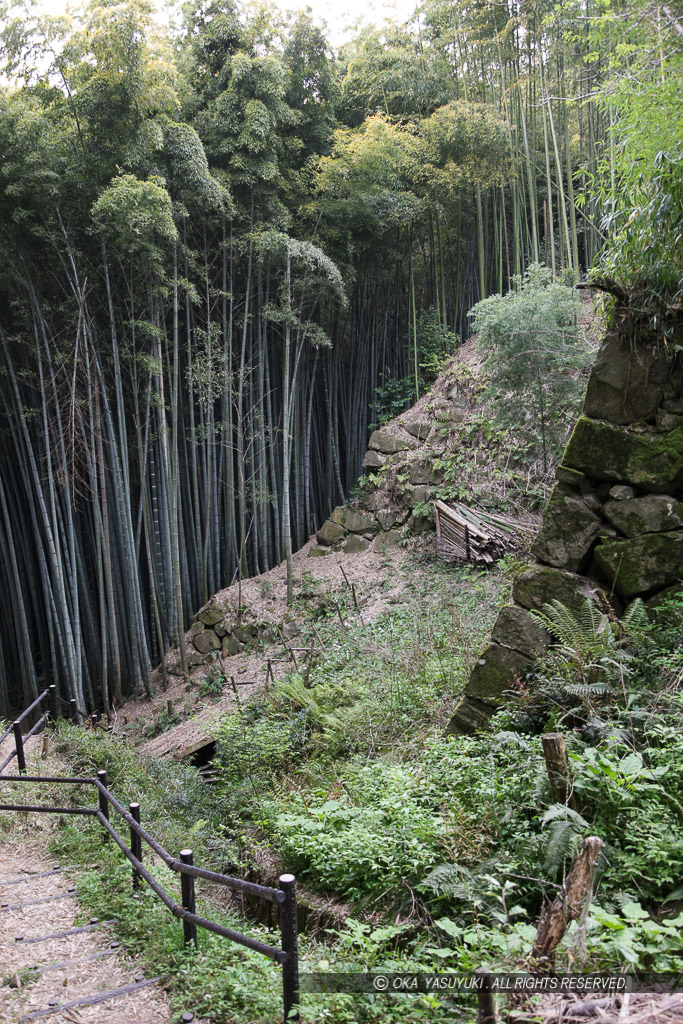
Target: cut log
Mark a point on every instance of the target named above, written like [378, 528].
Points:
[463, 535]
[559, 772]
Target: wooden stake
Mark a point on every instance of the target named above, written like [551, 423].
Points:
[573, 897]
[559, 772]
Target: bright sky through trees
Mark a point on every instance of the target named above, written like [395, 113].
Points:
[340, 18]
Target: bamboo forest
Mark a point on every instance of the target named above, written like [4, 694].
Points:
[229, 251]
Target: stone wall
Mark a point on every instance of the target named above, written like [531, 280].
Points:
[613, 527]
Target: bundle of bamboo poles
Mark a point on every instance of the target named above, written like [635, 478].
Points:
[466, 535]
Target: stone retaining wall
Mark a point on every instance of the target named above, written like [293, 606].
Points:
[613, 527]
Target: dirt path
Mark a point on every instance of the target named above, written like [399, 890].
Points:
[45, 973]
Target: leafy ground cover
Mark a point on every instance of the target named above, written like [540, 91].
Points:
[441, 849]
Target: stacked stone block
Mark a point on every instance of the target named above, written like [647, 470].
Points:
[613, 527]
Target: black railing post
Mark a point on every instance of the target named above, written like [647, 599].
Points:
[54, 710]
[187, 890]
[135, 843]
[104, 803]
[74, 712]
[19, 746]
[290, 944]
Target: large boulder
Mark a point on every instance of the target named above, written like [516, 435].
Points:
[627, 380]
[641, 565]
[372, 460]
[355, 544]
[354, 520]
[568, 534]
[469, 716]
[388, 444]
[541, 584]
[639, 457]
[654, 513]
[418, 429]
[494, 673]
[515, 627]
[209, 615]
[385, 541]
[329, 533]
[207, 641]
[423, 472]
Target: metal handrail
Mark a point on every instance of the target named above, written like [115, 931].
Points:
[285, 896]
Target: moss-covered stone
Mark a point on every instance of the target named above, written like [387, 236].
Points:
[568, 533]
[196, 628]
[667, 421]
[418, 429]
[416, 495]
[388, 444]
[655, 513]
[356, 544]
[469, 716]
[329, 533]
[354, 520]
[385, 541]
[517, 628]
[494, 673]
[668, 594]
[567, 475]
[639, 565]
[541, 584]
[207, 641]
[424, 473]
[230, 645]
[628, 379]
[318, 551]
[210, 615]
[372, 460]
[648, 460]
[388, 517]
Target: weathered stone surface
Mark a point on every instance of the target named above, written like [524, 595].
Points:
[419, 429]
[648, 460]
[196, 659]
[627, 380]
[385, 541]
[592, 502]
[620, 492]
[196, 628]
[220, 630]
[355, 544]
[420, 523]
[230, 645]
[469, 716]
[387, 517]
[642, 564]
[207, 641]
[424, 473]
[246, 632]
[317, 551]
[654, 513]
[388, 444]
[329, 533]
[540, 585]
[657, 600]
[666, 420]
[354, 520]
[568, 533]
[415, 495]
[515, 627]
[495, 671]
[210, 616]
[566, 475]
[372, 460]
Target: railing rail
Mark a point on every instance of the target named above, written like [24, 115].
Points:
[285, 896]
